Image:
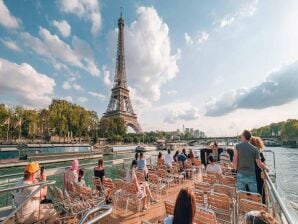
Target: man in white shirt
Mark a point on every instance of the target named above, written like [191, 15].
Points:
[33, 211]
[213, 167]
[168, 159]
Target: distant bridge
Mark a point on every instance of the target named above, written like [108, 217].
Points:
[230, 139]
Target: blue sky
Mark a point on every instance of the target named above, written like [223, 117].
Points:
[219, 66]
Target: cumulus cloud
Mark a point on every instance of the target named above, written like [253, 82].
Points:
[97, 95]
[87, 10]
[279, 87]
[172, 92]
[51, 46]
[149, 60]
[198, 39]
[63, 27]
[21, 83]
[11, 44]
[181, 112]
[107, 79]
[6, 19]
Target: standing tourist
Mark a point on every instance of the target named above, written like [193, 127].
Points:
[168, 158]
[184, 210]
[33, 211]
[214, 153]
[191, 156]
[258, 142]
[245, 157]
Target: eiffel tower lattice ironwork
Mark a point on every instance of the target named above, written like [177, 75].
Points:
[120, 104]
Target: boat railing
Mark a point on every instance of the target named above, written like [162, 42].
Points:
[12, 189]
[92, 215]
[280, 210]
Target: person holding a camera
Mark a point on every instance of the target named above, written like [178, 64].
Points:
[35, 209]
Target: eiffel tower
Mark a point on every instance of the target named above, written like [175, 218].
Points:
[120, 104]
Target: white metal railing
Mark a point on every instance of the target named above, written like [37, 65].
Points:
[40, 184]
[91, 216]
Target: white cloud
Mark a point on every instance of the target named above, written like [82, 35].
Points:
[6, 19]
[51, 46]
[198, 39]
[181, 111]
[227, 21]
[63, 27]
[67, 98]
[188, 39]
[21, 83]
[85, 9]
[149, 61]
[71, 84]
[82, 99]
[279, 87]
[246, 10]
[107, 78]
[97, 95]
[11, 45]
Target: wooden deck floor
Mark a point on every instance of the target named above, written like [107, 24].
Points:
[154, 213]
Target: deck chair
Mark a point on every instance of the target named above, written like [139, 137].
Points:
[222, 205]
[204, 216]
[156, 184]
[165, 178]
[227, 180]
[169, 207]
[202, 186]
[200, 198]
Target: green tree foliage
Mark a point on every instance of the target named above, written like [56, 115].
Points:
[285, 129]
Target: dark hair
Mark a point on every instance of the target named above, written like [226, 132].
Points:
[159, 155]
[215, 143]
[210, 158]
[141, 155]
[134, 163]
[100, 162]
[185, 207]
[26, 175]
[169, 151]
[246, 134]
[137, 156]
[184, 151]
[81, 174]
[176, 154]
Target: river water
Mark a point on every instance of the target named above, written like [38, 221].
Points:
[286, 170]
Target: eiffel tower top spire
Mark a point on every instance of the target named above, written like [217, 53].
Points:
[120, 74]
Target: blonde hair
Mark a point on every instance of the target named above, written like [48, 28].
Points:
[257, 142]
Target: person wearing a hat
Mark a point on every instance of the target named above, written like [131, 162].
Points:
[33, 211]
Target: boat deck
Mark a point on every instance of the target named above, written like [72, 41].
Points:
[154, 213]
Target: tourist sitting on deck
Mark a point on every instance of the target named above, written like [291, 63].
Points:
[245, 157]
[160, 159]
[142, 164]
[137, 156]
[214, 148]
[33, 210]
[99, 172]
[212, 167]
[191, 156]
[175, 157]
[143, 187]
[184, 210]
[71, 175]
[258, 217]
[224, 157]
[81, 181]
[168, 159]
[258, 142]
